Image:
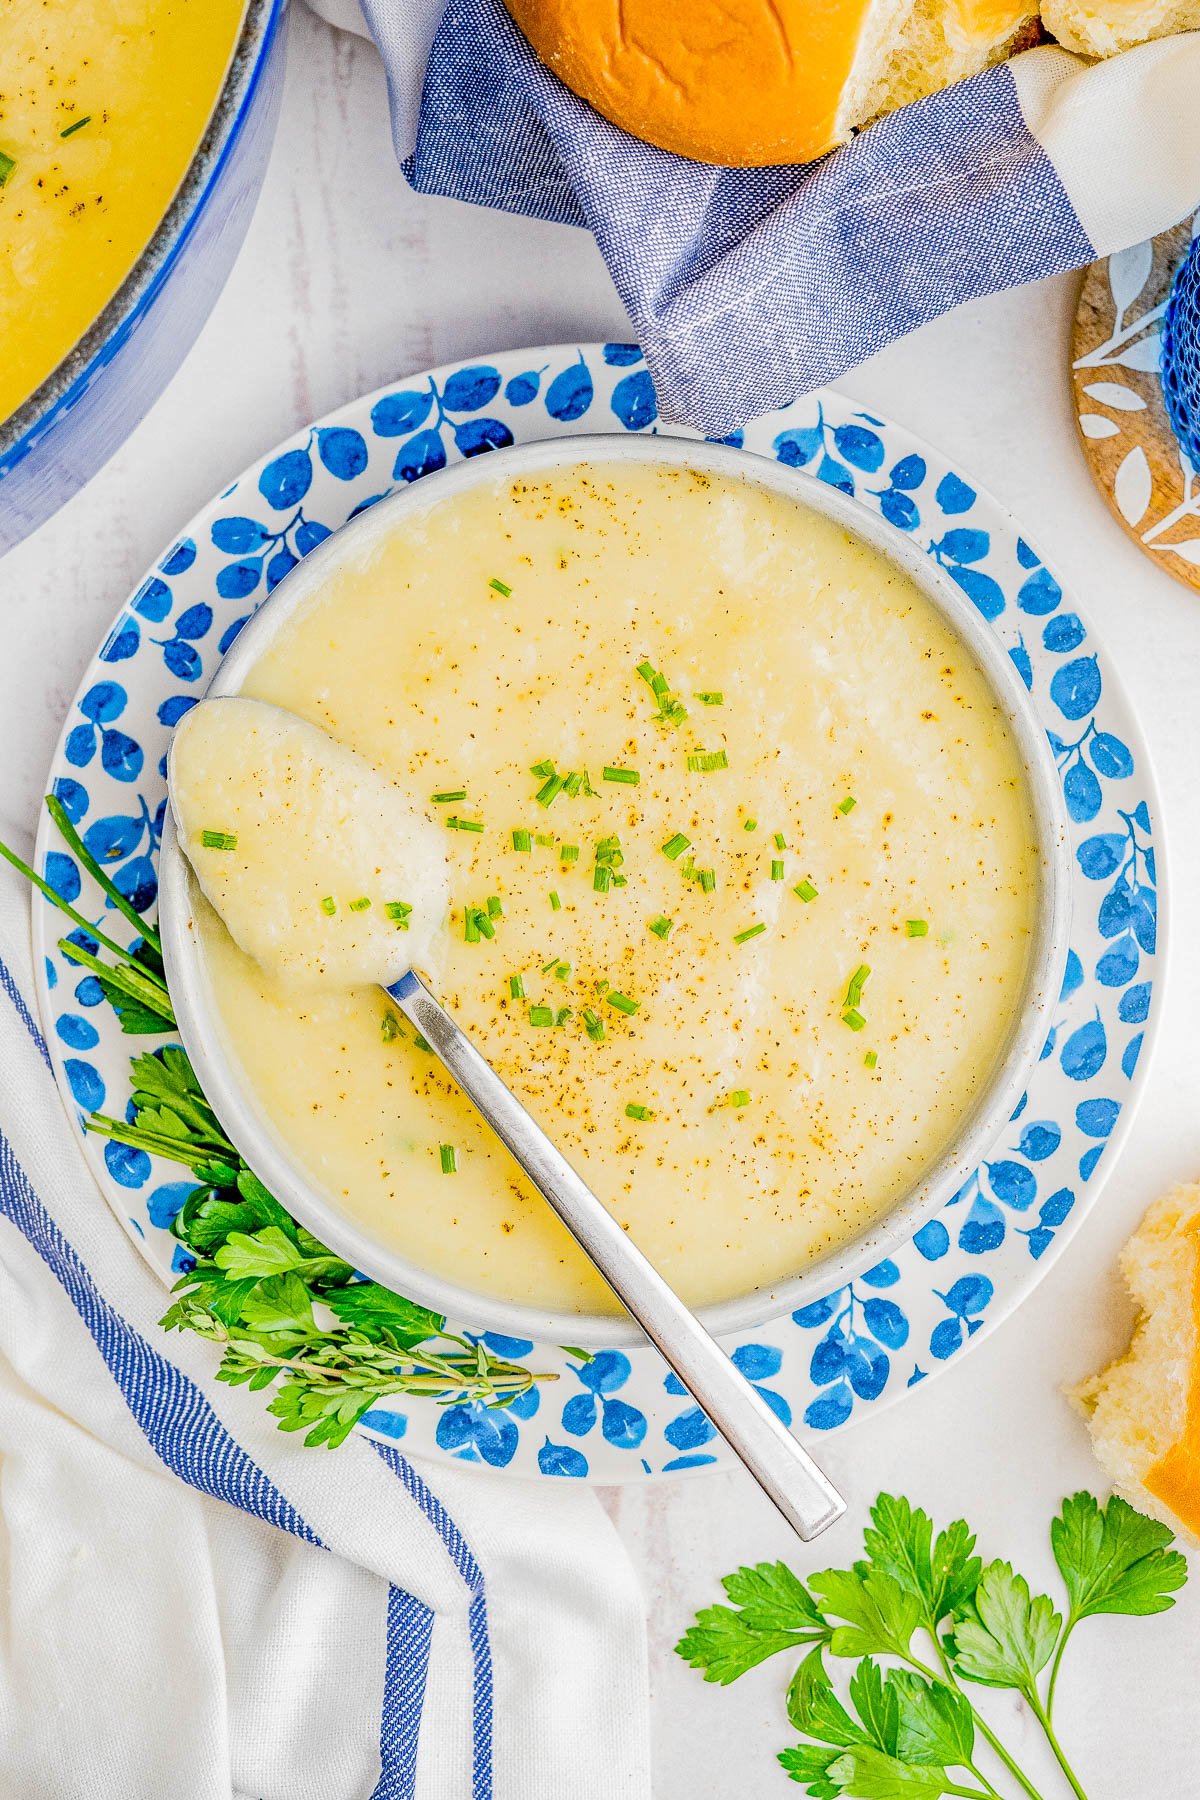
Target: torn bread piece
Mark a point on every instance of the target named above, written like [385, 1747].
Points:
[1143, 1411]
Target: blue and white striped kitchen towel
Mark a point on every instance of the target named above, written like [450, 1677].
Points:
[198, 1606]
[747, 287]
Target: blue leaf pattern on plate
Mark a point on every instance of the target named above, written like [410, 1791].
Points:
[840, 1353]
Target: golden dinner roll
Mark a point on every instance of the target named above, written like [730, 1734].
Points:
[745, 83]
[1144, 1410]
[1103, 27]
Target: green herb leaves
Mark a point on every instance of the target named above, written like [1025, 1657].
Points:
[1009, 1635]
[1115, 1560]
[907, 1733]
[922, 1616]
[775, 1612]
[943, 1574]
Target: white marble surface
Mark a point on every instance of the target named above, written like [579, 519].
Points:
[348, 280]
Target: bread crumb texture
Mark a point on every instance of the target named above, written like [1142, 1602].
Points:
[1143, 1411]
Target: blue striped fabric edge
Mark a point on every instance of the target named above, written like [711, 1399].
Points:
[190, 1439]
[460, 1553]
[23, 1013]
[409, 1637]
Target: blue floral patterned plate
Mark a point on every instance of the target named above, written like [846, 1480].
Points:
[621, 1415]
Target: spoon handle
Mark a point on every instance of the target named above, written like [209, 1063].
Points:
[781, 1465]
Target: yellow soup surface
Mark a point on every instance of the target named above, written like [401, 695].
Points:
[755, 847]
[102, 106]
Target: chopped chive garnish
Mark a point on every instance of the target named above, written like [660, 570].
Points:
[500, 587]
[858, 982]
[602, 987]
[446, 799]
[562, 971]
[572, 785]
[329, 905]
[516, 986]
[750, 825]
[622, 1003]
[662, 926]
[7, 165]
[870, 1059]
[776, 870]
[361, 904]
[708, 880]
[494, 909]
[675, 846]
[780, 843]
[542, 769]
[714, 698]
[219, 840]
[541, 1015]
[449, 1158]
[555, 902]
[547, 967]
[423, 1043]
[703, 762]
[562, 1015]
[609, 858]
[550, 789]
[544, 838]
[389, 1028]
[916, 927]
[853, 1018]
[671, 710]
[848, 804]
[455, 824]
[483, 921]
[77, 126]
[633, 1111]
[805, 890]
[398, 911]
[471, 925]
[751, 931]
[630, 777]
[740, 1097]
[569, 853]
[522, 840]
[593, 1024]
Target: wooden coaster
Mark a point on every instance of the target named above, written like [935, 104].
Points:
[1136, 460]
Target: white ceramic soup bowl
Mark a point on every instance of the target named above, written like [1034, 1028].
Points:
[267, 1151]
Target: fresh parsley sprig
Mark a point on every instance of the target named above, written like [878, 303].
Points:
[286, 1312]
[921, 1616]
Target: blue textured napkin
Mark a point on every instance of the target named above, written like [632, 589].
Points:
[1181, 354]
[749, 286]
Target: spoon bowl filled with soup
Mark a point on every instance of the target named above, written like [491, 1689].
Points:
[748, 876]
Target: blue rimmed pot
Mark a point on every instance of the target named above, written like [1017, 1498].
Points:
[85, 409]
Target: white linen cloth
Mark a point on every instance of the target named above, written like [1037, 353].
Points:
[348, 1627]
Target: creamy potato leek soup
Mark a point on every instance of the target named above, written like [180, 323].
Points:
[742, 879]
[102, 106]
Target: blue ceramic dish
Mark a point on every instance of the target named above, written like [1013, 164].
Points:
[87, 407]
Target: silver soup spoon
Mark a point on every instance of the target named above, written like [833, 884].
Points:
[777, 1460]
[303, 818]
